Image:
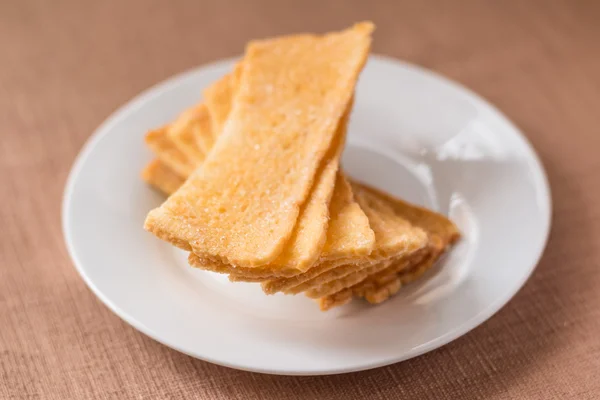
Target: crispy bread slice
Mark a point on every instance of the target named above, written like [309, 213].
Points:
[291, 95]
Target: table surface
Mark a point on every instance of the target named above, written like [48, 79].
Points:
[66, 65]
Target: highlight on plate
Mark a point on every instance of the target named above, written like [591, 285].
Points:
[255, 188]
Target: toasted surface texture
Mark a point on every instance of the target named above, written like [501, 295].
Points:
[292, 94]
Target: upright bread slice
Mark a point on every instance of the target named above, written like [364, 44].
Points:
[292, 94]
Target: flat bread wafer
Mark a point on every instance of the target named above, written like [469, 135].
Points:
[161, 177]
[350, 234]
[291, 95]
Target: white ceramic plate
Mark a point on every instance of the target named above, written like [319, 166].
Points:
[413, 134]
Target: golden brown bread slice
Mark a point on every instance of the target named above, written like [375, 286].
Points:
[291, 95]
[356, 239]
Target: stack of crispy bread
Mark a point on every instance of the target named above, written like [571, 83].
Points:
[255, 186]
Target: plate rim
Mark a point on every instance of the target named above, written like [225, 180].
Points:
[120, 112]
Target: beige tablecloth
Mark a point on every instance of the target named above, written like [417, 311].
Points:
[65, 65]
